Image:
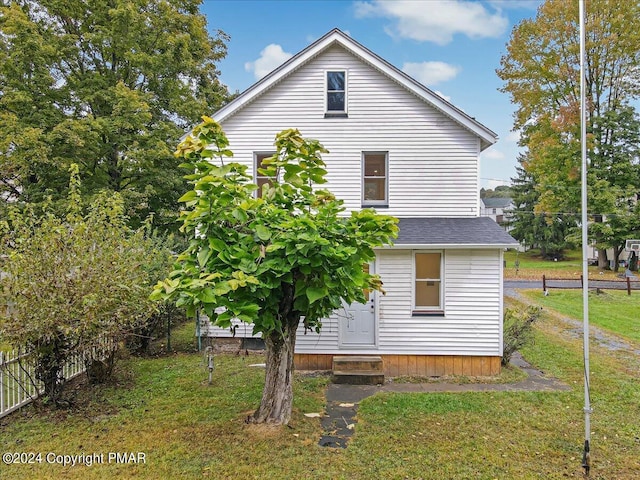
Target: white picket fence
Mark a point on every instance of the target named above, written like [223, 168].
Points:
[18, 384]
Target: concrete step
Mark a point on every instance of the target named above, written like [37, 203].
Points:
[354, 363]
[358, 370]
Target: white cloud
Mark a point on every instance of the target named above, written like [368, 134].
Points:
[271, 56]
[492, 183]
[513, 136]
[492, 154]
[516, 4]
[431, 73]
[436, 20]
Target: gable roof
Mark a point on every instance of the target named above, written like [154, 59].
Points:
[496, 202]
[337, 37]
[470, 232]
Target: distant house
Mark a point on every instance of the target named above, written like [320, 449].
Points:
[403, 150]
[496, 208]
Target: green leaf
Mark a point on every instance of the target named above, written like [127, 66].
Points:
[207, 296]
[187, 197]
[239, 214]
[222, 288]
[217, 244]
[203, 256]
[263, 232]
[316, 293]
[273, 247]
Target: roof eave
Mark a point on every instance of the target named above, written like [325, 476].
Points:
[449, 246]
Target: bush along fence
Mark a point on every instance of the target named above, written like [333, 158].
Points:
[627, 284]
[18, 383]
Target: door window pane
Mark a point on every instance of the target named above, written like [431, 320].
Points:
[427, 266]
[427, 294]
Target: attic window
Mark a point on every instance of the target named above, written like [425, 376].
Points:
[336, 93]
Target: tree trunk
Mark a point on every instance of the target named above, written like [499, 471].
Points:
[50, 359]
[603, 261]
[277, 396]
[617, 250]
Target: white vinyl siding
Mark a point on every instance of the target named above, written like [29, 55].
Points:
[433, 161]
[471, 325]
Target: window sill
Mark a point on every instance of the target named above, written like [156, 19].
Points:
[336, 115]
[373, 205]
[429, 313]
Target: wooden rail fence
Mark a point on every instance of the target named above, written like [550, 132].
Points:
[627, 284]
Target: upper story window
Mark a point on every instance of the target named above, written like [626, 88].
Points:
[375, 179]
[261, 179]
[427, 291]
[336, 92]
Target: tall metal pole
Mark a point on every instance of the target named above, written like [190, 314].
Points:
[586, 458]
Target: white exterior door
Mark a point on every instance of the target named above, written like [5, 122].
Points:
[358, 323]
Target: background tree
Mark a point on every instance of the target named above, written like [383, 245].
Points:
[501, 191]
[275, 260]
[545, 231]
[541, 73]
[107, 85]
[75, 284]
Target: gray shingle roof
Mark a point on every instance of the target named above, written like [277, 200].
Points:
[452, 231]
[496, 202]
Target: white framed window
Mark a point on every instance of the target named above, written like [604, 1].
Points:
[336, 92]
[375, 178]
[427, 282]
[261, 180]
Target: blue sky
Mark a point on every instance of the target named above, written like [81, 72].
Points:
[451, 46]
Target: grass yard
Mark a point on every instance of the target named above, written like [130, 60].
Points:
[612, 310]
[532, 267]
[188, 429]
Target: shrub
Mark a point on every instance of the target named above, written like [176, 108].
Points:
[75, 284]
[518, 330]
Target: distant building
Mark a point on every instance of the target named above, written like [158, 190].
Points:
[497, 208]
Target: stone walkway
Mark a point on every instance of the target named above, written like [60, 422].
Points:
[343, 400]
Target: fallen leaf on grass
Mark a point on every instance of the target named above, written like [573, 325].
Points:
[312, 415]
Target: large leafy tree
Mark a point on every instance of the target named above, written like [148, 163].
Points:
[541, 73]
[106, 84]
[77, 283]
[275, 260]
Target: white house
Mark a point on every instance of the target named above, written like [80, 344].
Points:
[398, 147]
[497, 209]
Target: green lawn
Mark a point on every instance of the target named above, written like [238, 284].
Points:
[532, 266]
[188, 429]
[612, 310]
